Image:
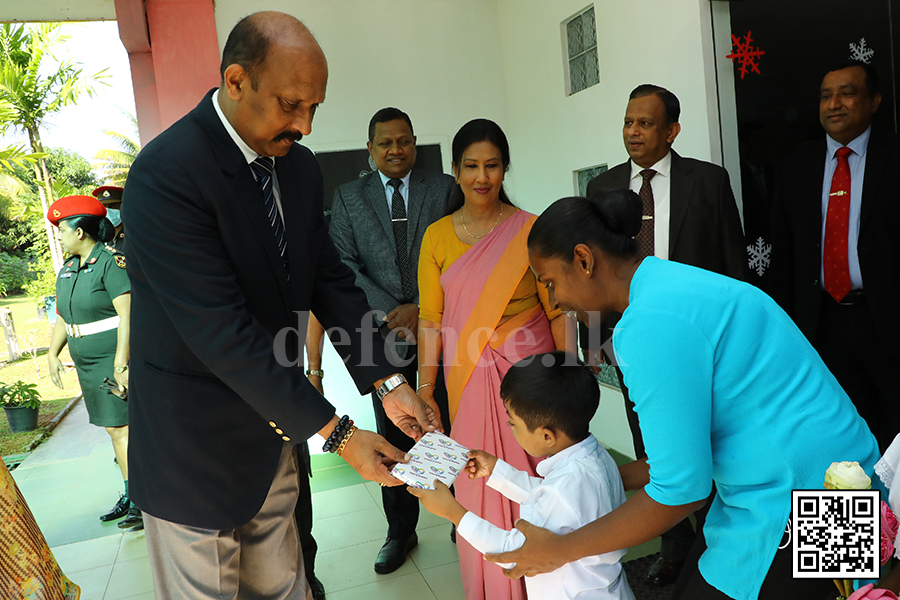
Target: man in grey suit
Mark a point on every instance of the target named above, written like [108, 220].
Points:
[690, 216]
[377, 223]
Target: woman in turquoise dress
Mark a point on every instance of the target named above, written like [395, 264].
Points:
[93, 304]
[728, 392]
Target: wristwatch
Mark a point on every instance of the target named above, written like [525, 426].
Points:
[390, 384]
[316, 372]
[121, 369]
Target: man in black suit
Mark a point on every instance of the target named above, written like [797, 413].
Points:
[834, 245]
[690, 216]
[377, 224]
[228, 250]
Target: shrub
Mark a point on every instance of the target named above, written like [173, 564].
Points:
[14, 273]
[20, 394]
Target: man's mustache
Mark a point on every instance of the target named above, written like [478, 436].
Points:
[294, 136]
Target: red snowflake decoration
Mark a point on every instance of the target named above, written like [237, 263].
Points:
[745, 53]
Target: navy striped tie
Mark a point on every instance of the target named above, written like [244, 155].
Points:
[263, 169]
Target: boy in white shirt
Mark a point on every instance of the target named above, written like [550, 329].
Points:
[550, 400]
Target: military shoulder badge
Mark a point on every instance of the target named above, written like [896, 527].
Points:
[92, 261]
[120, 262]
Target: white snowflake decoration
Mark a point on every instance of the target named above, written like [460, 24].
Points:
[860, 51]
[759, 256]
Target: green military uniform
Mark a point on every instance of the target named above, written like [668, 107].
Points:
[84, 294]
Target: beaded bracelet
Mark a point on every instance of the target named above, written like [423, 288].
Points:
[340, 430]
[346, 439]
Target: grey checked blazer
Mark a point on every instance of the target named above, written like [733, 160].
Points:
[362, 231]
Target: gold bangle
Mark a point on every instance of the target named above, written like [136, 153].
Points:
[424, 385]
[346, 439]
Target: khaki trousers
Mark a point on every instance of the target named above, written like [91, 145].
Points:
[257, 561]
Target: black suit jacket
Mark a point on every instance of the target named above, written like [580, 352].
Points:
[211, 403]
[796, 231]
[704, 224]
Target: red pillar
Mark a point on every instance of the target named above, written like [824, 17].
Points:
[174, 54]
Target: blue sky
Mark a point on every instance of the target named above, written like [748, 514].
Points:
[96, 46]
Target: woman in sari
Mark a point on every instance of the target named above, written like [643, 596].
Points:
[481, 309]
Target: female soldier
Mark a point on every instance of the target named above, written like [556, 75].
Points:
[93, 303]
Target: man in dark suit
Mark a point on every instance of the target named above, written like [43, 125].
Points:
[690, 216]
[377, 223]
[228, 247]
[834, 246]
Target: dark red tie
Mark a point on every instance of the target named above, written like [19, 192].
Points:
[646, 236]
[837, 222]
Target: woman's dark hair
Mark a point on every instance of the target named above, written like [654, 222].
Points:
[477, 130]
[99, 229]
[609, 220]
[553, 390]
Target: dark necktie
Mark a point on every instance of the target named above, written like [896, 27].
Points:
[645, 237]
[398, 220]
[263, 170]
[835, 264]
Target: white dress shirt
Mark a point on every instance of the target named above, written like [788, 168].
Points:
[857, 162]
[389, 191]
[577, 486]
[249, 153]
[662, 210]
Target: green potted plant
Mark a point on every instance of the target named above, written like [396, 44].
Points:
[20, 402]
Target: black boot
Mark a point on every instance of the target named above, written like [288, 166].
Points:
[118, 511]
[133, 521]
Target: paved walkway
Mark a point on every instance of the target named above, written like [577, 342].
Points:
[71, 479]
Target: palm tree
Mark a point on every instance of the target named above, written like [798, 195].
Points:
[116, 163]
[12, 187]
[31, 93]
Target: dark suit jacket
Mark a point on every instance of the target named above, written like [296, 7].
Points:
[210, 401]
[796, 231]
[362, 231]
[704, 224]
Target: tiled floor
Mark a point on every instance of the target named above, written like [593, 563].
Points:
[71, 479]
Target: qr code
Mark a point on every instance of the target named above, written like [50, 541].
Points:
[836, 533]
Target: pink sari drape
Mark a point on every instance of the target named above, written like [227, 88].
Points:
[477, 289]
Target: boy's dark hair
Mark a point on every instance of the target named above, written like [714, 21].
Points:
[552, 390]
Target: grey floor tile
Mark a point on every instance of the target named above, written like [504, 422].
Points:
[445, 582]
[129, 578]
[341, 501]
[133, 546]
[46, 497]
[70, 530]
[92, 582]
[89, 554]
[435, 548]
[407, 587]
[350, 529]
[353, 566]
[40, 484]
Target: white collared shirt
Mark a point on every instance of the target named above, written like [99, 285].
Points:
[249, 153]
[389, 191]
[857, 162]
[660, 184]
[579, 485]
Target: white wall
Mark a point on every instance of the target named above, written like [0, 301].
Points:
[639, 41]
[438, 60]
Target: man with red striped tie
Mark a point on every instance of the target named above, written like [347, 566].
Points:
[835, 245]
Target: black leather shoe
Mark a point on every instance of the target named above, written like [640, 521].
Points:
[664, 571]
[393, 554]
[133, 521]
[316, 587]
[118, 511]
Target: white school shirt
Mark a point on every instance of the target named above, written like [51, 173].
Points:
[577, 486]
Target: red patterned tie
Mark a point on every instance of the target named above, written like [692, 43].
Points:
[837, 222]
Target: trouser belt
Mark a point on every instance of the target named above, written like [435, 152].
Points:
[100, 326]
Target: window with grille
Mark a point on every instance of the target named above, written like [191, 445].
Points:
[580, 46]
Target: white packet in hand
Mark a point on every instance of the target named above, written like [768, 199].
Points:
[435, 456]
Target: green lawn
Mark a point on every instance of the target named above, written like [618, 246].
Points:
[32, 332]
